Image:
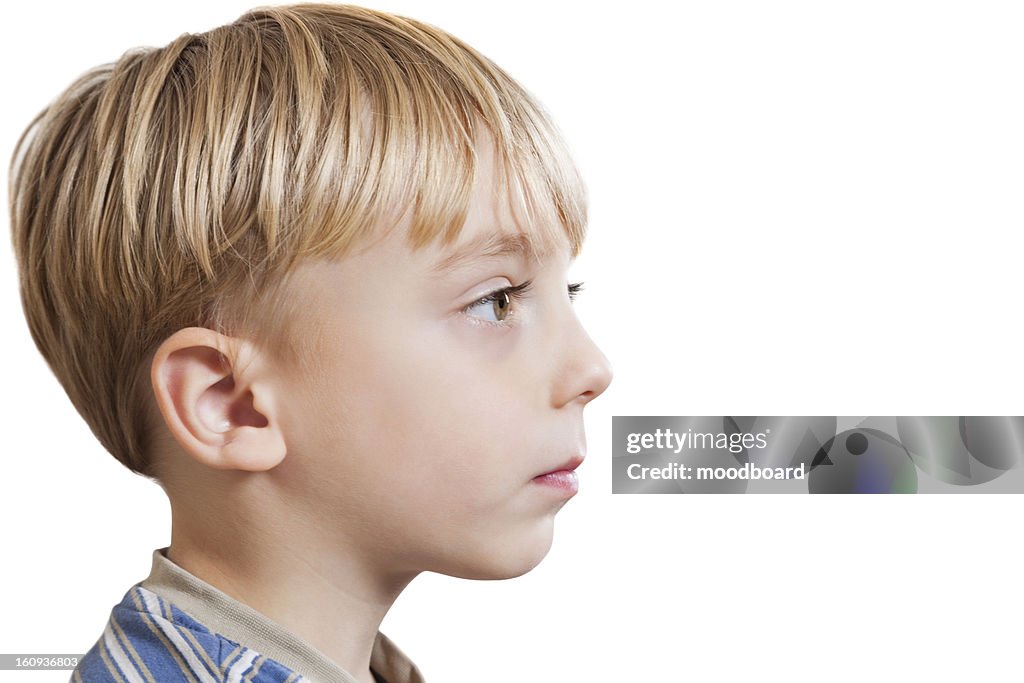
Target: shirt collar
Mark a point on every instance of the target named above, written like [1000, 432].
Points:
[228, 617]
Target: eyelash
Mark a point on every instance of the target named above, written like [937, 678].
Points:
[515, 293]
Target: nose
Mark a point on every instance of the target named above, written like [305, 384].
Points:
[584, 372]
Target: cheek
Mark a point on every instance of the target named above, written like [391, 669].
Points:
[453, 418]
[441, 413]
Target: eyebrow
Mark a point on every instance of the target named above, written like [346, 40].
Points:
[493, 245]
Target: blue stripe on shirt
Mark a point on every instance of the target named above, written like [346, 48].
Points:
[149, 640]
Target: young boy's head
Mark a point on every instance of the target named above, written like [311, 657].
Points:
[308, 272]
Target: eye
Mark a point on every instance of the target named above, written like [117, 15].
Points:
[498, 306]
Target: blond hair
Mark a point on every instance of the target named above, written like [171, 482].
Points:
[179, 186]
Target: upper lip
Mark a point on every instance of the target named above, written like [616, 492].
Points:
[570, 464]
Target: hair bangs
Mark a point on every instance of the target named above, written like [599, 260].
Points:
[406, 107]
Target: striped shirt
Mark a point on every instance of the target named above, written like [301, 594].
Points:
[175, 627]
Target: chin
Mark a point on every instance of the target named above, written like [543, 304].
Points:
[503, 560]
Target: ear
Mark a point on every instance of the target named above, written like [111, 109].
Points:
[213, 405]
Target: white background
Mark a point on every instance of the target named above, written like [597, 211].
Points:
[797, 208]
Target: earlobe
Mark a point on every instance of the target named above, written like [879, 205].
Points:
[206, 391]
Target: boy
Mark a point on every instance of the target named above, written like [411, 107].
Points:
[307, 272]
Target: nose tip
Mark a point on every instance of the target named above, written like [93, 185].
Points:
[600, 372]
[585, 374]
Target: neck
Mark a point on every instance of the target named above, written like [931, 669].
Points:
[329, 595]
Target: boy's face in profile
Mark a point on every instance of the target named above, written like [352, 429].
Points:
[420, 436]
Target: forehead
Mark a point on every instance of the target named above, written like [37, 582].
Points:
[497, 224]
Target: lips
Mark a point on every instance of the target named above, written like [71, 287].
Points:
[568, 466]
[561, 478]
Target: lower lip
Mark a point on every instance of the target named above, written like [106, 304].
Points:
[563, 480]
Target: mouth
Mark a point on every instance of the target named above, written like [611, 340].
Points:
[562, 478]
